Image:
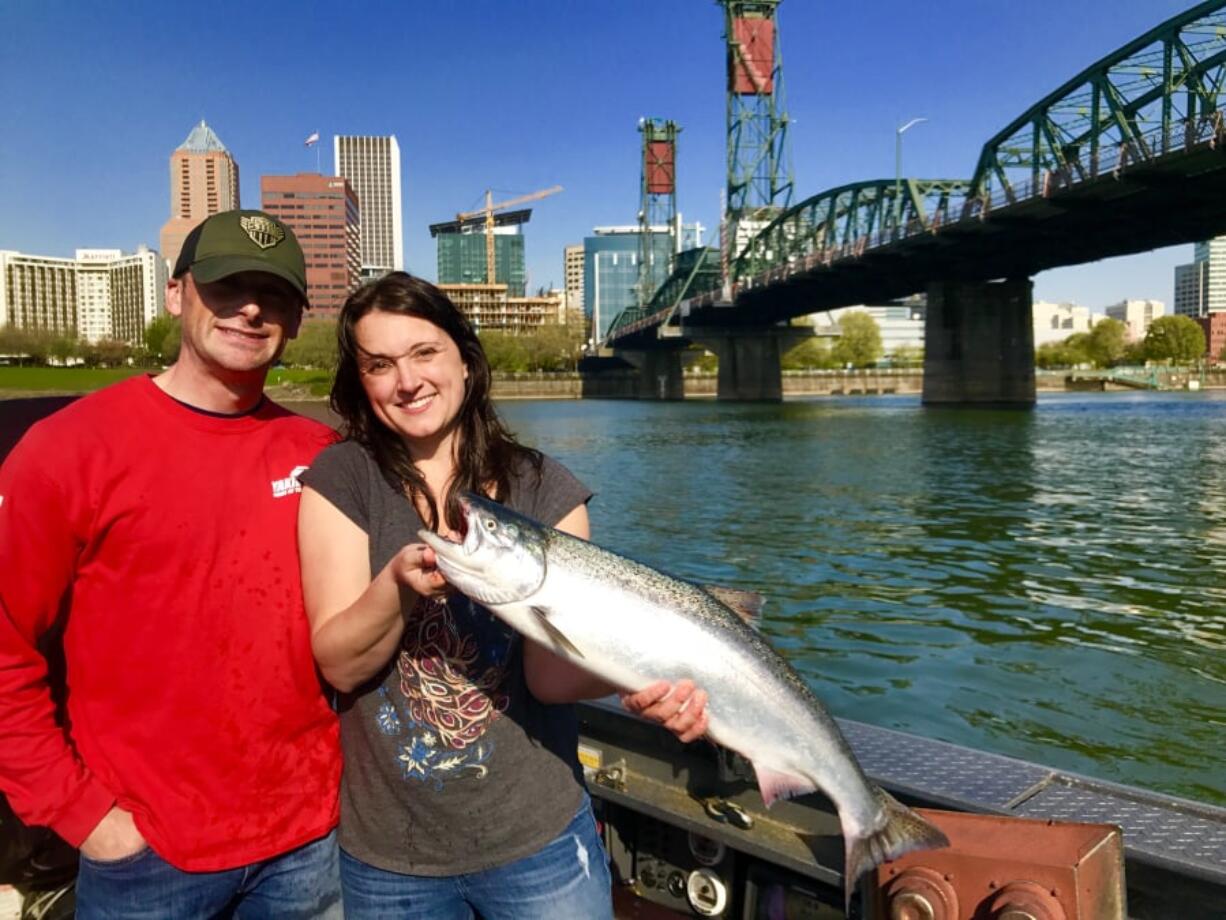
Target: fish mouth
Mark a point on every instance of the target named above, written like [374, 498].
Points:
[490, 562]
[455, 551]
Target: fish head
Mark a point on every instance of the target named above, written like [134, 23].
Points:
[502, 557]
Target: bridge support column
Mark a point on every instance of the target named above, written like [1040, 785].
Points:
[659, 372]
[749, 366]
[979, 344]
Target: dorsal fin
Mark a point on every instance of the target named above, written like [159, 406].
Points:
[745, 604]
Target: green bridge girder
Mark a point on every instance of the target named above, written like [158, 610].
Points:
[1137, 103]
[697, 272]
[836, 222]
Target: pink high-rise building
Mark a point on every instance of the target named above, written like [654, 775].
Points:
[323, 213]
[203, 182]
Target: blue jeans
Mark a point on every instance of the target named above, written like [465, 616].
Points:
[567, 879]
[303, 884]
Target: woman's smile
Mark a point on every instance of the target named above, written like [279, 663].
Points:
[420, 404]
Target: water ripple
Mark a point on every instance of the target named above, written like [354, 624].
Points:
[1047, 584]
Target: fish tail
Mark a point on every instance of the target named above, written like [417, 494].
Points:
[899, 831]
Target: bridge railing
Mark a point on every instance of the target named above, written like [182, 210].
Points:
[1182, 137]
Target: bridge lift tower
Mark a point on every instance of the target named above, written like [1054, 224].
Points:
[759, 163]
[657, 203]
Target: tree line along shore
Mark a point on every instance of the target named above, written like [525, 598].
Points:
[544, 363]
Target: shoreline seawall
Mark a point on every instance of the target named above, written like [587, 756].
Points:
[624, 385]
[871, 382]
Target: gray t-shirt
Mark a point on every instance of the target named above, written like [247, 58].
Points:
[451, 765]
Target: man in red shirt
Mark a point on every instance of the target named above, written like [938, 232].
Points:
[198, 767]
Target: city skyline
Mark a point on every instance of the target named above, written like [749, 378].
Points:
[504, 120]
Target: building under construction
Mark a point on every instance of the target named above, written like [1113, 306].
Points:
[481, 266]
[489, 306]
[462, 251]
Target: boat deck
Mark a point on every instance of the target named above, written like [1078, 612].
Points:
[1175, 849]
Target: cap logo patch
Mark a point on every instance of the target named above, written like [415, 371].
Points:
[263, 232]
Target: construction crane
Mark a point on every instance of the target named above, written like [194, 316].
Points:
[489, 210]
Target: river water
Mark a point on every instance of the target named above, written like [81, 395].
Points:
[1049, 584]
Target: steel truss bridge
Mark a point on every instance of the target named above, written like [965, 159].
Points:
[1127, 156]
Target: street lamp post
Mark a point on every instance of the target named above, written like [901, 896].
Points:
[898, 168]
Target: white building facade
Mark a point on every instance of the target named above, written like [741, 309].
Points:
[1137, 315]
[372, 166]
[900, 325]
[101, 294]
[1055, 322]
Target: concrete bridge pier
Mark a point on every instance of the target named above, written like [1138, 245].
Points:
[749, 360]
[979, 344]
[659, 372]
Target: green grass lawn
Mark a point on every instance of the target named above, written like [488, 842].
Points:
[318, 382]
[63, 379]
[16, 380]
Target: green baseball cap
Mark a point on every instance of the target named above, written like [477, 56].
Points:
[242, 241]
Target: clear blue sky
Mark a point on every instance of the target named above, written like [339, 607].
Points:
[518, 95]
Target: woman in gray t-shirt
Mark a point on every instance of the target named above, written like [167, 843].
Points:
[461, 789]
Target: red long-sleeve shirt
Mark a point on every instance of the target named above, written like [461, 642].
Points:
[168, 537]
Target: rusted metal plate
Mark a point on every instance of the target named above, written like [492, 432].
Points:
[999, 866]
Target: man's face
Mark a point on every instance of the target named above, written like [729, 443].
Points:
[238, 325]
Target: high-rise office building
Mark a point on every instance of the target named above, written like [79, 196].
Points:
[203, 182]
[573, 273]
[372, 166]
[101, 294]
[462, 253]
[1200, 285]
[323, 212]
[611, 272]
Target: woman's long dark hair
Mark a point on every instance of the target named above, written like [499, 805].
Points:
[485, 451]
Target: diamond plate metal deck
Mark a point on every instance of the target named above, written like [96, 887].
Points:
[1189, 834]
[938, 771]
[1158, 829]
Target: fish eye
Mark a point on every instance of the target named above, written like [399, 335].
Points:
[491, 525]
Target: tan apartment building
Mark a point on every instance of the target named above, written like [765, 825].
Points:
[101, 294]
[203, 182]
[573, 268]
[324, 214]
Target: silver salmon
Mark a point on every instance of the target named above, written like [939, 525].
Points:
[632, 625]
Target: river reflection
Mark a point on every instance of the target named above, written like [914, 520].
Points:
[1046, 584]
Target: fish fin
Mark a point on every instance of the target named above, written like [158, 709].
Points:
[558, 637]
[901, 830]
[745, 604]
[776, 784]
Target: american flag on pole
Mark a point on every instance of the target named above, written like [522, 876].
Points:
[312, 139]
